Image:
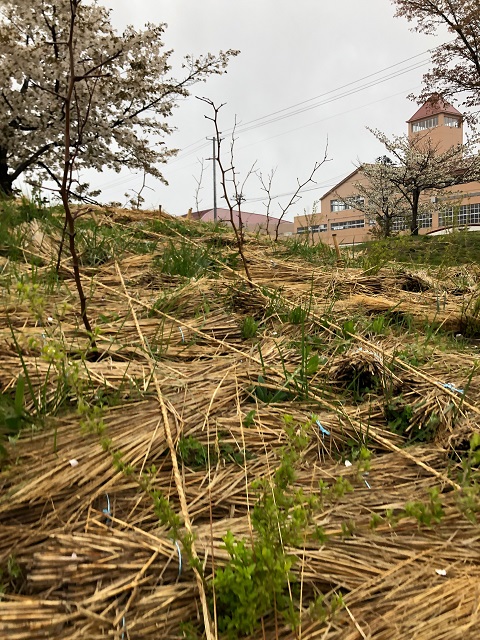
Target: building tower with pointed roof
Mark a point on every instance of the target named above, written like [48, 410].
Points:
[438, 122]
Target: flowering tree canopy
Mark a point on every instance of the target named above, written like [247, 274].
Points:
[455, 64]
[380, 199]
[124, 91]
[418, 166]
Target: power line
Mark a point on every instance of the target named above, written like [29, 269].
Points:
[334, 98]
[335, 115]
[200, 144]
[348, 84]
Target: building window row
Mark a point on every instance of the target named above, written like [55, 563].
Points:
[428, 123]
[347, 224]
[352, 202]
[463, 215]
[334, 226]
[316, 228]
[424, 221]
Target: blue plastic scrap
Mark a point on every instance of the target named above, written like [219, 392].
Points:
[107, 511]
[451, 387]
[323, 431]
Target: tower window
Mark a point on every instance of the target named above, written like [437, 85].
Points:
[428, 123]
[452, 122]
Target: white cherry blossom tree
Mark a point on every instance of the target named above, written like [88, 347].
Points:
[124, 91]
[379, 199]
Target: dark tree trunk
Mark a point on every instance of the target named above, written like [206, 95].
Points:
[387, 228]
[5, 180]
[414, 223]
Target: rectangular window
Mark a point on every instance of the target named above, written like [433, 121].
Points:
[445, 217]
[347, 224]
[428, 123]
[463, 214]
[399, 224]
[452, 122]
[352, 202]
[424, 220]
[301, 229]
[337, 205]
[475, 214]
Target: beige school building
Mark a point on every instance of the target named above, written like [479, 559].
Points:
[453, 207]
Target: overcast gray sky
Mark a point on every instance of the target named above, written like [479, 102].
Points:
[333, 57]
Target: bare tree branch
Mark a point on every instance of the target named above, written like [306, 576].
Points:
[224, 171]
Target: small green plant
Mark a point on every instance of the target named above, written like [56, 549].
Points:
[275, 304]
[375, 520]
[11, 576]
[258, 577]
[348, 329]
[192, 452]
[12, 413]
[297, 315]
[378, 326]
[249, 418]
[183, 259]
[269, 393]
[99, 243]
[348, 528]
[399, 415]
[318, 253]
[249, 328]
[469, 496]
[401, 419]
[427, 513]
[196, 455]
[331, 493]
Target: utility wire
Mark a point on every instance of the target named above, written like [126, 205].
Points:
[349, 84]
[269, 116]
[246, 127]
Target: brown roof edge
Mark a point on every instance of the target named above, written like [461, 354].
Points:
[432, 107]
[339, 184]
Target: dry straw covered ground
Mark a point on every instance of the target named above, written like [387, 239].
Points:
[359, 383]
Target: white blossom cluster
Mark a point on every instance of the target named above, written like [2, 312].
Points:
[123, 95]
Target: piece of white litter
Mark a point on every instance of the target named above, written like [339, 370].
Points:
[441, 572]
[73, 462]
[348, 463]
[74, 556]
[50, 319]
[274, 333]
